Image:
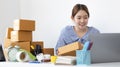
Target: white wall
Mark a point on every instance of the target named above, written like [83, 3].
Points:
[52, 15]
[9, 10]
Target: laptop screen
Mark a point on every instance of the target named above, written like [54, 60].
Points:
[2, 57]
[106, 48]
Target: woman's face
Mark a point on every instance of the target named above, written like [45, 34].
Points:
[81, 19]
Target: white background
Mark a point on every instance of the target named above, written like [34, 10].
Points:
[53, 15]
[18, 64]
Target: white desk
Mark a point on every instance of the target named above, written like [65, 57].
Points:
[20, 64]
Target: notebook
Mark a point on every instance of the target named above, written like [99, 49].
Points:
[105, 48]
[2, 57]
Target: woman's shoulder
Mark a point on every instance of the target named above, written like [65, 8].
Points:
[94, 30]
[67, 28]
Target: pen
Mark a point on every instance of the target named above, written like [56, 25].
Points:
[34, 62]
[86, 45]
[90, 45]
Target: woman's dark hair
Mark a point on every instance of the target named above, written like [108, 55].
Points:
[78, 7]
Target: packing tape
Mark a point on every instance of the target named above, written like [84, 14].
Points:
[31, 56]
[22, 56]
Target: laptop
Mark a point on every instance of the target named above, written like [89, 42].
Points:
[105, 48]
[2, 57]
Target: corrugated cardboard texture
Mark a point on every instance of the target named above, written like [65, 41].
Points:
[7, 42]
[5, 51]
[21, 36]
[70, 48]
[8, 33]
[48, 51]
[23, 45]
[24, 24]
[71, 53]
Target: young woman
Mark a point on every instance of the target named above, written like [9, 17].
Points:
[79, 31]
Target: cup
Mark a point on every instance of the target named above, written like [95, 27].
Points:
[83, 57]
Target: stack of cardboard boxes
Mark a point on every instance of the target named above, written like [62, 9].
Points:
[21, 35]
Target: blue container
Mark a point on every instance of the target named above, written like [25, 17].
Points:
[83, 57]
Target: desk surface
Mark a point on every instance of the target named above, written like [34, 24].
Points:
[20, 64]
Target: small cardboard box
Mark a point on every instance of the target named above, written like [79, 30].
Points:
[8, 33]
[71, 53]
[24, 24]
[70, 49]
[48, 51]
[23, 45]
[5, 51]
[7, 42]
[21, 36]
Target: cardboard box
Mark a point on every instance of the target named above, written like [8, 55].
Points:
[48, 51]
[70, 48]
[8, 33]
[71, 53]
[21, 36]
[23, 45]
[7, 42]
[24, 24]
[5, 51]
[41, 43]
